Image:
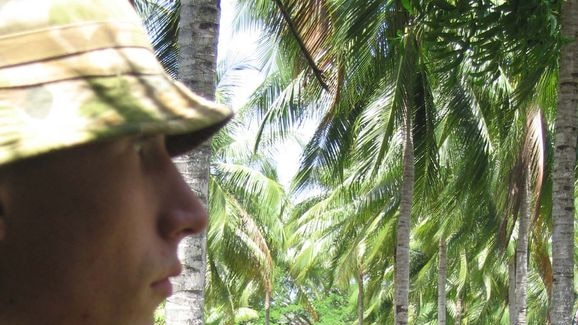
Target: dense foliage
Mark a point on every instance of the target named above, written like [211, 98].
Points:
[438, 111]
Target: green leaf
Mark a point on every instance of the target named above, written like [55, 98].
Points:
[408, 6]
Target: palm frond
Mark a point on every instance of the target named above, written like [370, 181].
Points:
[161, 19]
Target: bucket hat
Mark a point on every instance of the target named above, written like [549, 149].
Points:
[78, 71]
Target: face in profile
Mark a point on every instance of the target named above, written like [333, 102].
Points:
[89, 235]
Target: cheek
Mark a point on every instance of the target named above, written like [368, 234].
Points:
[82, 255]
[72, 233]
[90, 236]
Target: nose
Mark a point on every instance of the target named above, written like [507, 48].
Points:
[182, 213]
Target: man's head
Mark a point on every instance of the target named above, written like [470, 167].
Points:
[90, 233]
[91, 206]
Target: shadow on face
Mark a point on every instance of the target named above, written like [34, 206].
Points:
[86, 234]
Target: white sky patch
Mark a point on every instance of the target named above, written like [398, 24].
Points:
[235, 44]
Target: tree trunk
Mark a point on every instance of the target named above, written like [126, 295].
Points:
[562, 301]
[459, 310]
[522, 251]
[267, 306]
[512, 291]
[198, 36]
[403, 226]
[360, 297]
[442, 283]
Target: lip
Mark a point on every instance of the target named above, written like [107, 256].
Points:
[164, 286]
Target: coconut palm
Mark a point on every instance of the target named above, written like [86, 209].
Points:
[337, 104]
[197, 42]
[563, 174]
[522, 197]
[348, 236]
[246, 234]
[414, 75]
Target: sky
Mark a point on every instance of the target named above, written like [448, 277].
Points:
[235, 45]
[244, 45]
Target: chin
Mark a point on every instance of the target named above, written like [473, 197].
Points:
[148, 321]
[142, 316]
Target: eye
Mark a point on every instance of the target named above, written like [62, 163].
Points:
[149, 145]
[138, 147]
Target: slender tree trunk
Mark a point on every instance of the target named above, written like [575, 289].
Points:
[185, 307]
[267, 306]
[442, 279]
[403, 226]
[562, 301]
[459, 310]
[513, 312]
[360, 297]
[198, 36]
[522, 252]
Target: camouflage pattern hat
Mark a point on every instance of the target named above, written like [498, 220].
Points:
[78, 71]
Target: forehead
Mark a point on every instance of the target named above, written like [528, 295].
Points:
[69, 160]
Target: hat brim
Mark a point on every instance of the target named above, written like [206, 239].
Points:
[47, 117]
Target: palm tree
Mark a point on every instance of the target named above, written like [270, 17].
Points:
[359, 121]
[528, 169]
[386, 47]
[512, 299]
[442, 278]
[197, 41]
[246, 233]
[348, 236]
[563, 174]
[402, 104]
